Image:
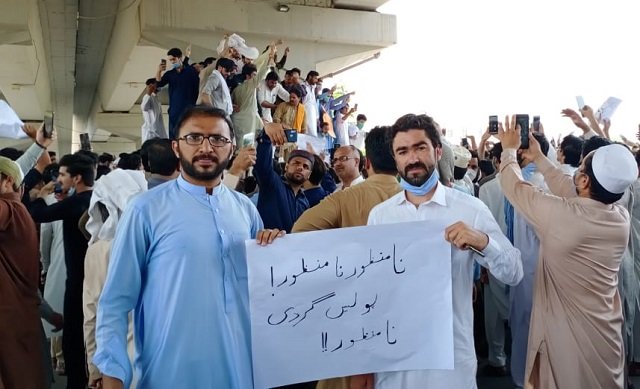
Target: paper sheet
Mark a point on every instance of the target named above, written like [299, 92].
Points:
[349, 301]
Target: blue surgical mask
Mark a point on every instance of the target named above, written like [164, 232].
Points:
[424, 188]
[175, 65]
[360, 125]
[71, 192]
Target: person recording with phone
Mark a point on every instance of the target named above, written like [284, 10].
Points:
[281, 200]
[183, 84]
[575, 338]
[76, 176]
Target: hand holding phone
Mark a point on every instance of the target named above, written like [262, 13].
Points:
[48, 125]
[536, 123]
[523, 121]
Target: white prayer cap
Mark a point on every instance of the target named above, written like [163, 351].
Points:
[614, 167]
[248, 52]
[461, 156]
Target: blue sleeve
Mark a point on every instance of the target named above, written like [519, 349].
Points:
[164, 80]
[263, 169]
[328, 184]
[120, 295]
[256, 221]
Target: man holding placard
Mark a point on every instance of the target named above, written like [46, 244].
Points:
[472, 231]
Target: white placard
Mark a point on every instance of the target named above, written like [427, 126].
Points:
[350, 301]
[10, 123]
[605, 112]
[319, 144]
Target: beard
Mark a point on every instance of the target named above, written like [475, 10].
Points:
[417, 179]
[207, 174]
[291, 177]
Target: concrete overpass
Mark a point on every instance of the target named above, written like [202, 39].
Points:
[87, 60]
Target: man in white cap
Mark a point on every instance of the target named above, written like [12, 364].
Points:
[20, 338]
[461, 158]
[575, 338]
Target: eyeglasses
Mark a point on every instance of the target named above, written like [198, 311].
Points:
[344, 158]
[197, 139]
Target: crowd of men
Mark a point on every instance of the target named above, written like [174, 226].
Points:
[144, 259]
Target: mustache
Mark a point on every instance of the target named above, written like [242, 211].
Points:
[205, 156]
[415, 165]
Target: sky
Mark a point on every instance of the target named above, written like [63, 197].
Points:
[462, 60]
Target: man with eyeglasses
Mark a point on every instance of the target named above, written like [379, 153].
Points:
[346, 163]
[178, 261]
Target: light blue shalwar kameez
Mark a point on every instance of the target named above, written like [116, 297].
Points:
[178, 261]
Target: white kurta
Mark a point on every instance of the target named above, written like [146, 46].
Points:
[52, 252]
[153, 126]
[447, 207]
[310, 109]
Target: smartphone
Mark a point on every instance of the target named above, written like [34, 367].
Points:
[48, 124]
[85, 143]
[493, 124]
[464, 142]
[523, 121]
[580, 101]
[163, 62]
[292, 135]
[536, 123]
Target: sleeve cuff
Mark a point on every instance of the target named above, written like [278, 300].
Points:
[492, 251]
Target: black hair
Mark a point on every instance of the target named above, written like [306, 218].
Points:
[161, 158]
[89, 154]
[312, 73]
[544, 143]
[106, 158]
[295, 70]
[50, 173]
[416, 122]
[571, 147]
[486, 167]
[51, 153]
[226, 63]
[11, 153]
[596, 190]
[208, 61]
[248, 69]
[79, 164]
[361, 117]
[272, 76]
[594, 143]
[317, 171]
[130, 162]
[151, 81]
[474, 154]
[296, 89]
[175, 52]
[206, 111]
[376, 145]
[496, 151]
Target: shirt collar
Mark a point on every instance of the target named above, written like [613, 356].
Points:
[13, 196]
[439, 196]
[197, 189]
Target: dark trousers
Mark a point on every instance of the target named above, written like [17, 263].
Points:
[73, 339]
